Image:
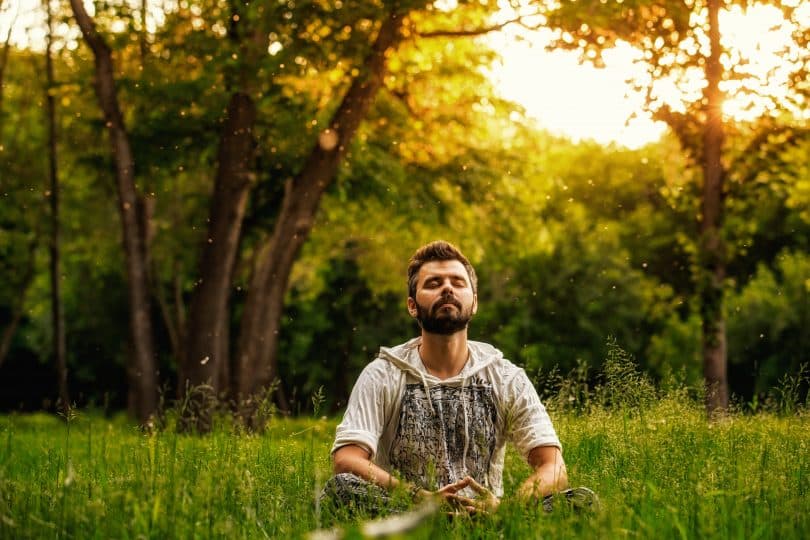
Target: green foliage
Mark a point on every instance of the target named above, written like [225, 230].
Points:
[620, 385]
[331, 334]
[768, 321]
[572, 392]
[317, 398]
[790, 388]
[677, 348]
[573, 242]
[544, 309]
[22, 179]
[625, 388]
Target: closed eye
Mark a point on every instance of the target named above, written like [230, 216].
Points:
[431, 283]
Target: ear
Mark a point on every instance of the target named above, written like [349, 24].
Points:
[411, 307]
[475, 303]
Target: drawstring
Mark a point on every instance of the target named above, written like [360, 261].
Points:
[424, 382]
[427, 392]
[466, 425]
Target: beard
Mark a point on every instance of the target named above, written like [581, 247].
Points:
[435, 320]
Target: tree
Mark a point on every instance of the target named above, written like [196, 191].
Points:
[141, 371]
[273, 263]
[711, 248]
[677, 39]
[263, 307]
[57, 311]
[205, 359]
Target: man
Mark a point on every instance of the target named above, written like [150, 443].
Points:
[440, 408]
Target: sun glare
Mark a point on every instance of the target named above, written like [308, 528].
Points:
[25, 20]
[583, 102]
[580, 101]
[761, 37]
[571, 99]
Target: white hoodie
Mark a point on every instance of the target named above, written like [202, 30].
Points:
[434, 431]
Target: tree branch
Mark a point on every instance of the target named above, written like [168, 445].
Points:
[402, 97]
[472, 32]
[682, 125]
[4, 54]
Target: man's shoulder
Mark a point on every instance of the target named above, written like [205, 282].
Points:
[378, 365]
[494, 362]
[488, 351]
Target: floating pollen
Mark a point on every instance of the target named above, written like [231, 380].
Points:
[328, 139]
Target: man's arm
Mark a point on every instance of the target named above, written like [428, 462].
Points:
[356, 459]
[549, 474]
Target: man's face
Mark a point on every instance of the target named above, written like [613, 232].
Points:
[445, 301]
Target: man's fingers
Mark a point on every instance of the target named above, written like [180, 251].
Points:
[455, 486]
[475, 485]
[464, 482]
[466, 501]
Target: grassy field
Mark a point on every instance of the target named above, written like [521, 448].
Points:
[662, 472]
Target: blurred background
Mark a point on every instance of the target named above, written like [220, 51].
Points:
[242, 206]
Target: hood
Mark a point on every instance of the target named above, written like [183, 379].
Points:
[406, 357]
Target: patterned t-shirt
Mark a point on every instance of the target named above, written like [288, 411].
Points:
[433, 431]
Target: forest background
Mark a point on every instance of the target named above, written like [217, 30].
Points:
[329, 140]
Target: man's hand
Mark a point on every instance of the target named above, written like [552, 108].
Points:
[447, 493]
[485, 501]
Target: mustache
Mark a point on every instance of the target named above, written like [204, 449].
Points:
[446, 299]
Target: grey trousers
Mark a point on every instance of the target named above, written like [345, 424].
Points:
[346, 495]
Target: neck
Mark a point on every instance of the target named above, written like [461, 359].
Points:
[444, 356]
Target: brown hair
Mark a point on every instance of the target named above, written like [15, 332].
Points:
[437, 251]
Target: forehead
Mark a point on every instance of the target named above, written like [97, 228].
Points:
[442, 269]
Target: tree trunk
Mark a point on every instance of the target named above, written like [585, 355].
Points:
[206, 358]
[205, 366]
[258, 341]
[142, 35]
[712, 252]
[170, 320]
[57, 311]
[4, 60]
[142, 371]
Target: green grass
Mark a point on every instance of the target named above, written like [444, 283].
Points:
[666, 473]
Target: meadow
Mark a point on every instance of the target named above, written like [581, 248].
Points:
[661, 469]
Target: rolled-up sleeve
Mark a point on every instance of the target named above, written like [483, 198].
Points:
[529, 425]
[364, 419]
